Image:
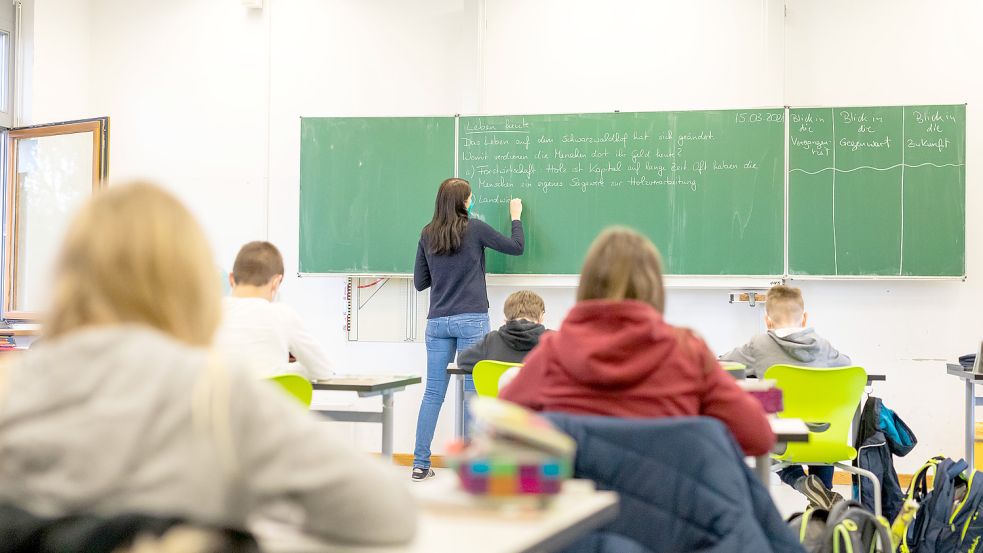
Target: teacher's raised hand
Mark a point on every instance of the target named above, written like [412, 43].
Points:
[515, 209]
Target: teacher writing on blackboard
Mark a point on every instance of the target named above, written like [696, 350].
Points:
[450, 260]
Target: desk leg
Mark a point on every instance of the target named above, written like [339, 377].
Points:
[387, 426]
[855, 425]
[762, 467]
[970, 420]
[459, 412]
[854, 432]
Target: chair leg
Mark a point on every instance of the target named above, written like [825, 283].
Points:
[875, 483]
[779, 465]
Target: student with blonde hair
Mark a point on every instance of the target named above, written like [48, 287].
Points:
[615, 355]
[524, 314]
[124, 408]
[788, 341]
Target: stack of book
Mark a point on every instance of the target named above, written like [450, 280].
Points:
[7, 343]
[764, 391]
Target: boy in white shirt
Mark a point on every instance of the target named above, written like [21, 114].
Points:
[260, 333]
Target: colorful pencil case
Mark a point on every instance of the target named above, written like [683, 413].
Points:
[510, 477]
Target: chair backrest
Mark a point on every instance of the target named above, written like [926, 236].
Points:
[815, 395]
[486, 375]
[297, 386]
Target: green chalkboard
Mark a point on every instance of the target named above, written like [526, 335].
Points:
[367, 187]
[706, 186]
[877, 191]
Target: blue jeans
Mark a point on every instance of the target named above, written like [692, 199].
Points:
[792, 473]
[445, 336]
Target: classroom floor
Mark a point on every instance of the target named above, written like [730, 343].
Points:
[788, 500]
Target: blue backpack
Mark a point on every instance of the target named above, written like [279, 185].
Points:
[948, 518]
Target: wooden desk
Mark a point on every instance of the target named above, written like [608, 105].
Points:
[786, 431]
[449, 524]
[368, 386]
[970, 402]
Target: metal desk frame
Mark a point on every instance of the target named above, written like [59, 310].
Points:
[384, 386]
[970, 401]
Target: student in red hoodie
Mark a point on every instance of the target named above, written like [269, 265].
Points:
[615, 355]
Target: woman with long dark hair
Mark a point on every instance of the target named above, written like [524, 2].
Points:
[450, 260]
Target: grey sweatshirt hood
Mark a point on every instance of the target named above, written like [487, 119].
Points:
[804, 346]
[126, 419]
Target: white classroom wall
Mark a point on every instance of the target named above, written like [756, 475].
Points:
[205, 97]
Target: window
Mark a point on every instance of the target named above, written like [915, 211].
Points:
[4, 71]
[52, 169]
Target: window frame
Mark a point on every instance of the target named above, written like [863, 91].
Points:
[99, 127]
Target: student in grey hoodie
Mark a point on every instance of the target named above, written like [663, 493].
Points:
[124, 407]
[789, 341]
[524, 312]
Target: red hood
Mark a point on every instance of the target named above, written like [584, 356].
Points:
[611, 344]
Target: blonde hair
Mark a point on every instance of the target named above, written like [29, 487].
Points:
[524, 305]
[622, 264]
[135, 254]
[784, 304]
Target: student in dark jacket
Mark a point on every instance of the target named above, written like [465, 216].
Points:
[524, 312]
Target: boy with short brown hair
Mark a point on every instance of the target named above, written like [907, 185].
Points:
[259, 332]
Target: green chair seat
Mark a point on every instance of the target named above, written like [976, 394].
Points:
[297, 386]
[487, 374]
[820, 453]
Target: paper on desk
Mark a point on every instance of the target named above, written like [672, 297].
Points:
[326, 400]
[756, 384]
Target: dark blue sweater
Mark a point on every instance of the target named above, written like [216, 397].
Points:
[457, 281]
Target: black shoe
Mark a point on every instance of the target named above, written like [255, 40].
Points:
[817, 493]
[420, 474]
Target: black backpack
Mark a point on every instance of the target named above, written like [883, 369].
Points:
[847, 527]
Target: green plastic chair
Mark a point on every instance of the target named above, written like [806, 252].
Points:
[826, 399]
[486, 375]
[297, 386]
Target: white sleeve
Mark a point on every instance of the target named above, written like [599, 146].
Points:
[302, 345]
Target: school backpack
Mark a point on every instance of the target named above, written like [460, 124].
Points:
[948, 518]
[846, 528]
